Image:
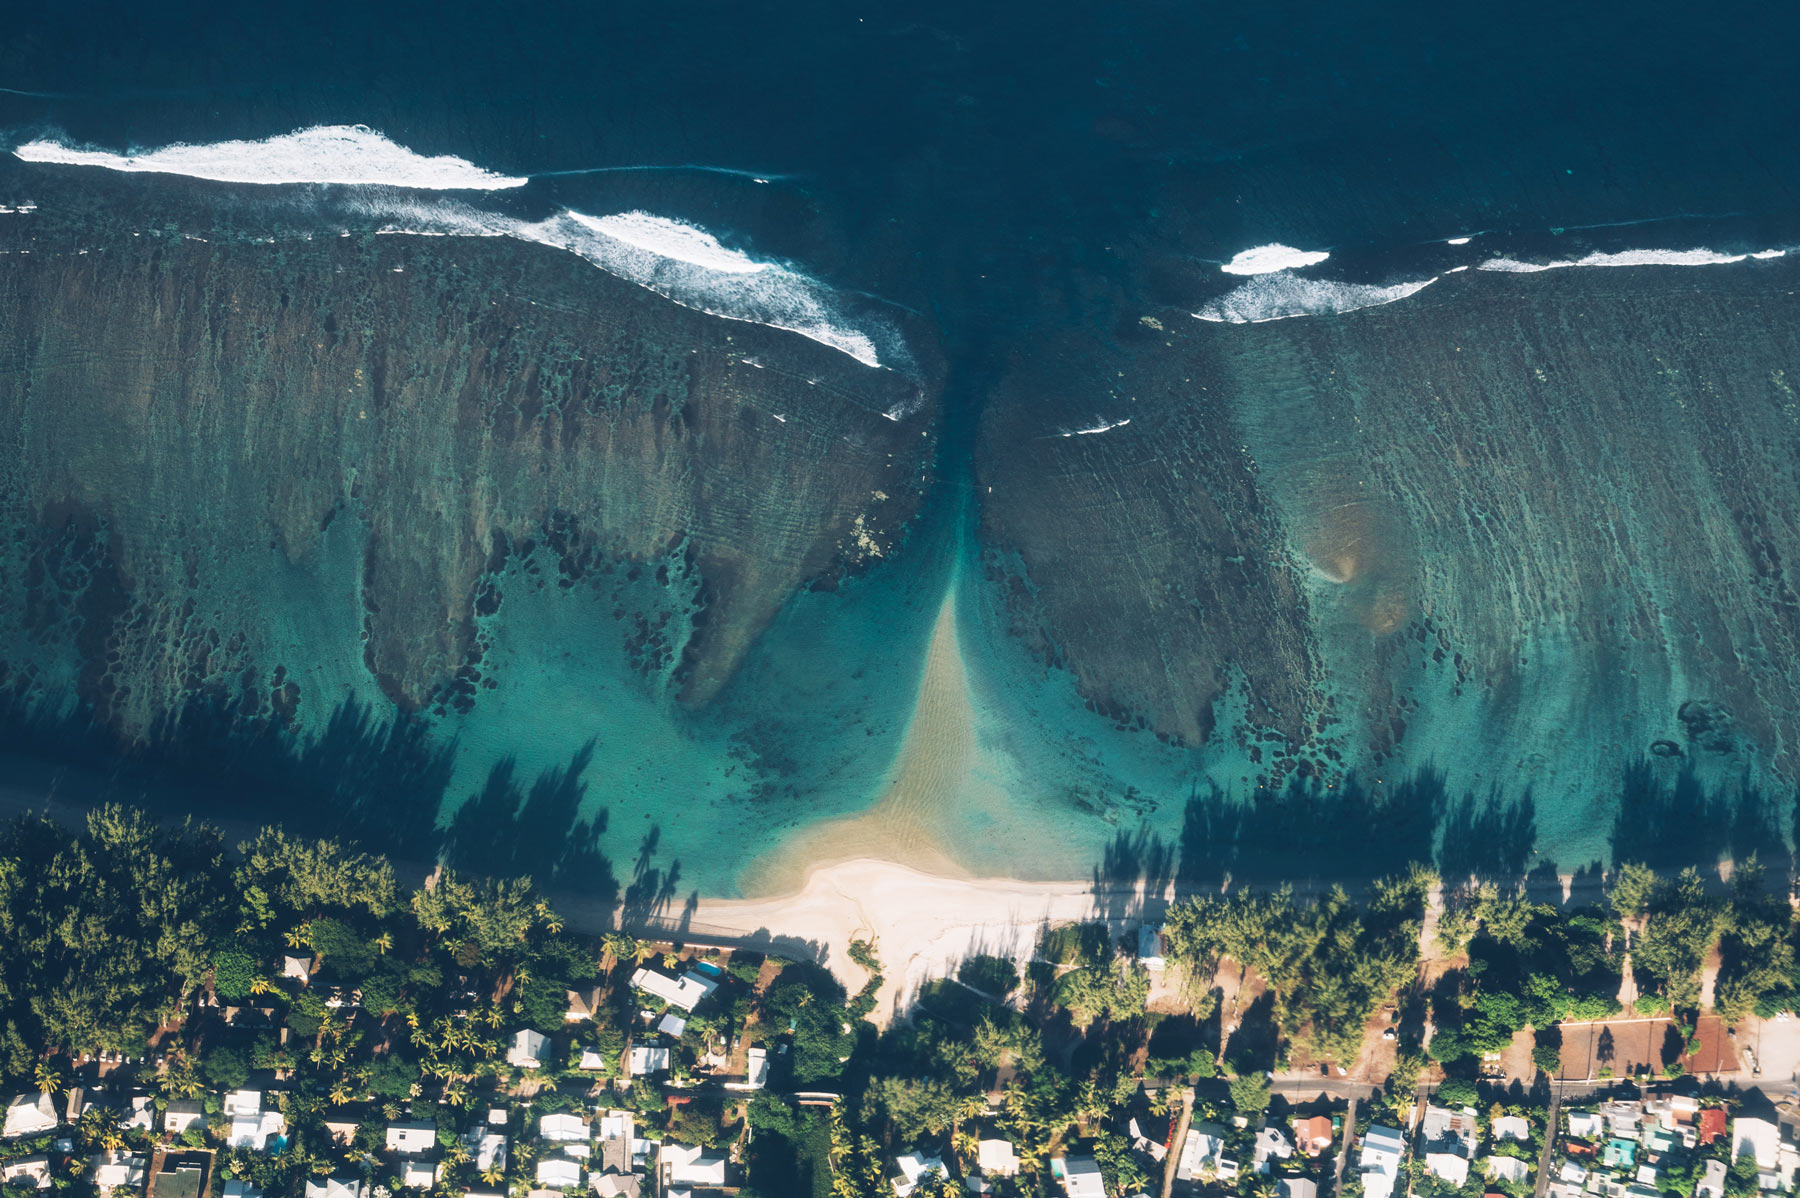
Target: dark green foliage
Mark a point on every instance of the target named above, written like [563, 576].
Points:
[233, 971]
[225, 1068]
[1250, 1095]
[810, 1001]
[991, 975]
[541, 1003]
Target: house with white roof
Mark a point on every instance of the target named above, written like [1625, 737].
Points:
[1586, 1125]
[1081, 1177]
[671, 1025]
[686, 1166]
[1506, 1168]
[997, 1158]
[528, 1049]
[237, 1187]
[1271, 1145]
[116, 1170]
[417, 1174]
[1200, 1151]
[1756, 1138]
[1449, 1166]
[412, 1139]
[1712, 1180]
[336, 1187]
[1298, 1187]
[1512, 1127]
[914, 1168]
[593, 1060]
[559, 1173]
[1152, 948]
[30, 1115]
[561, 1127]
[182, 1114]
[487, 1149]
[1378, 1160]
[646, 1059]
[1448, 1131]
[33, 1170]
[251, 1127]
[684, 992]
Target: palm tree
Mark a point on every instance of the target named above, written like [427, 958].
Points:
[299, 936]
[384, 942]
[340, 1093]
[492, 1174]
[260, 985]
[49, 1080]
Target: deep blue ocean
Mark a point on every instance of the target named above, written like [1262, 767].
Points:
[999, 174]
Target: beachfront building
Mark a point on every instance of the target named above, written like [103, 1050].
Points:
[1383, 1148]
[1152, 948]
[684, 992]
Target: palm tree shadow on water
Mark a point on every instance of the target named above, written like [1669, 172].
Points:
[1354, 832]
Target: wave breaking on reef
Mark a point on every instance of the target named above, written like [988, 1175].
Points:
[345, 154]
[1281, 296]
[1694, 257]
[681, 262]
[1267, 259]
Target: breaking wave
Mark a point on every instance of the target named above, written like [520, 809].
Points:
[1698, 257]
[680, 262]
[350, 154]
[1280, 296]
[1266, 259]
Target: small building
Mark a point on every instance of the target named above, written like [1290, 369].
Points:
[1080, 1177]
[1506, 1168]
[33, 1170]
[559, 1173]
[1313, 1136]
[583, 1004]
[686, 1166]
[593, 1061]
[118, 1170]
[237, 1187]
[1272, 1145]
[341, 1131]
[996, 1158]
[183, 1113]
[181, 1175]
[1586, 1125]
[487, 1149]
[562, 1127]
[1452, 1167]
[1445, 1131]
[336, 1187]
[251, 1126]
[298, 968]
[1710, 1125]
[1756, 1138]
[671, 1025]
[912, 1169]
[412, 1139]
[1512, 1127]
[1378, 1160]
[1152, 948]
[141, 1116]
[30, 1115]
[684, 992]
[617, 1185]
[1619, 1154]
[417, 1174]
[646, 1059]
[1200, 1151]
[1712, 1179]
[1298, 1187]
[528, 1049]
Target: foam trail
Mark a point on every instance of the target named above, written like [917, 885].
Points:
[351, 154]
[1266, 259]
[734, 172]
[678, 261]
[13, 91]
[1696, 257]
[1280, 296]
[1102, 426]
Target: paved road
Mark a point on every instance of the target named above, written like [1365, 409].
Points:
[1337, 1182]
[1543, 1173]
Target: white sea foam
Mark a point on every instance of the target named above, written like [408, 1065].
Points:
[1266, 259]
[1696, 257]
[324, 154]
[678, 261]
[1280, 296]
[1102, 426]
[672, 239]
